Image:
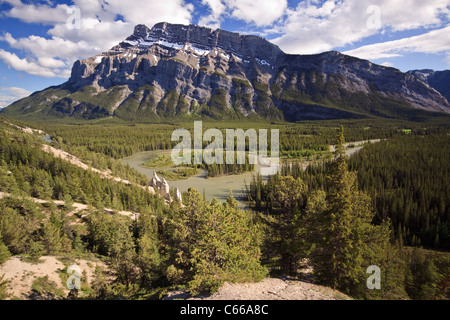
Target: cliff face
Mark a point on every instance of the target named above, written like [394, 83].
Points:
[177, 70]
[439, 80]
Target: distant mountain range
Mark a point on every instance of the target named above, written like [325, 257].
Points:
[188, 71]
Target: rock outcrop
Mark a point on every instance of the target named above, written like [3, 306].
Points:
[162, 186]
[178, 196]
[165, 189]
[268, 289]
[172, 70]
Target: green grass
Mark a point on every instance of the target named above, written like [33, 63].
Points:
[217, 73]
[242, 82]
[263, 87]
[44, 286]
[178, 174]
[163, 161]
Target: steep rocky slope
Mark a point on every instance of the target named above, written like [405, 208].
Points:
[439, 80]
[184, 71]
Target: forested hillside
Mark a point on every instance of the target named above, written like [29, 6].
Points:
[406, 177]
[408, 180]
[142, 254]
[330, 218]
[404, 181]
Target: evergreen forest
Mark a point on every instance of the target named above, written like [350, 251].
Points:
[387, 205]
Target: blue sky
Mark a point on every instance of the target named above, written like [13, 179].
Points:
[40, 40]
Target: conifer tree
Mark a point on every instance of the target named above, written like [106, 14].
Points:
[148, 258]
[3, 288]
[4, 252]
[422, 276]
[212, 243]
[53, 237]
[345, 241]
[286, 240]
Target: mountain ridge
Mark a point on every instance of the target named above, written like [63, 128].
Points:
[174, 70]
[439, 80]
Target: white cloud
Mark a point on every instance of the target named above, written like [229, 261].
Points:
[27, 65]
[387, 64]
[12, 94]
[435, 41]
[44, 57]
[213, 20]
[56, 47]
[49, 62]
[43, 13]
[98, 30]
[315, 27]
[257, 12]
[150, 12]
[412, 14]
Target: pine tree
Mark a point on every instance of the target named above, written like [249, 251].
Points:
[148, 258]
[3, 288]
[7, 181]
[422, 276]
[53, 237]
[212, 243]
[4, 252]
[111, 236]
[287, 240]
[101, 287]
[345, 241]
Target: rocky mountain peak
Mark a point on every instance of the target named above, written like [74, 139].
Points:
[174, 70]
[439, 80]
[140, 32]
[202, 38]
[423, 74]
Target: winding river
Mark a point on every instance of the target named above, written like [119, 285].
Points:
[217, 187]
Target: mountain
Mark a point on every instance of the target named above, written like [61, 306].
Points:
[439, 80]
[176, 70]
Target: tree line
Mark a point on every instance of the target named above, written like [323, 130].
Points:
[406, 177]
[122, 140]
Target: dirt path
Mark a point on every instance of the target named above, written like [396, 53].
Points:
[75, 160]
[77, 207]
[107, 174]
[268, 289]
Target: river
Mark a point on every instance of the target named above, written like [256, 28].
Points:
[216, 187]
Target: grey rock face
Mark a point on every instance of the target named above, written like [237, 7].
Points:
[165, 189]
[439, 80]
[245, 46]
[161, 186]
[155, 181]
[170, 70]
